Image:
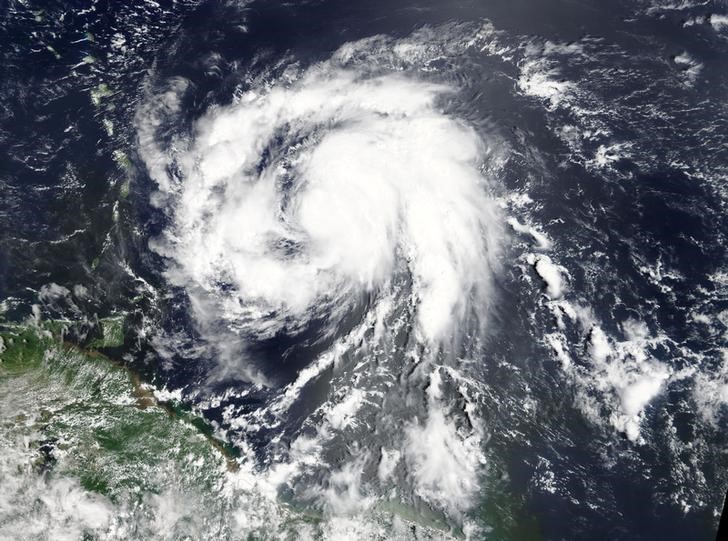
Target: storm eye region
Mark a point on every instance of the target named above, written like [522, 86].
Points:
[307, 202]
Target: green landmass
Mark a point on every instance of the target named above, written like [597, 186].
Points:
[69, 415]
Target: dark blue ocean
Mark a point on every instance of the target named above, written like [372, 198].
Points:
[580, 387]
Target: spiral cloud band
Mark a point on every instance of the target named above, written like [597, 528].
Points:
[341, 211]
[296, 201]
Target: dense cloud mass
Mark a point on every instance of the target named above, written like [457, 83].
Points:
[331, 270]
[296, 201]
[347, 200]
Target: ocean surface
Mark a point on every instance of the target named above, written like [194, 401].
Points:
[363, 270]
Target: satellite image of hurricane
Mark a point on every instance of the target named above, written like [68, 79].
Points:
[363, 269]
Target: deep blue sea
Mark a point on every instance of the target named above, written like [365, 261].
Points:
[426, 269]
